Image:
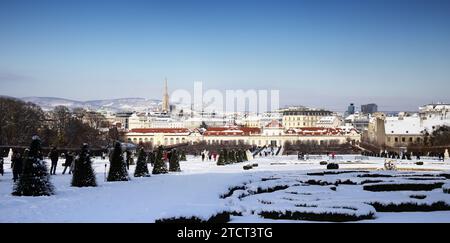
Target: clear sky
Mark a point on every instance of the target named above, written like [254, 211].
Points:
[324, 53]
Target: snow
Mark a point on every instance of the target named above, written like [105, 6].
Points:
[197, 191]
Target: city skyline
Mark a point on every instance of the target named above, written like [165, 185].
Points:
[328, 54]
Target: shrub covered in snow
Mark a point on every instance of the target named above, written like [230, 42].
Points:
[35, 179]
[314, 212]
[117, 169]
[380, 187]
[83, 173]
[141, 169]
[174, 163]
[410, 206]
[247, 167]
[222, 160]
[222, 217]
[332, 166]
[159, 166]
[446, 188]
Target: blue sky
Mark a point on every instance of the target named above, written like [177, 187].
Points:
[324, 53]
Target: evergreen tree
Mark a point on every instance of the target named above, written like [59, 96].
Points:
[221, 159]
[174, 162]
[225, 157]
[239, 156]
[159, 166]
[141, 169]
[35, 179]
[83, 173]
[183, 156]
[232, 156]
[118, 168]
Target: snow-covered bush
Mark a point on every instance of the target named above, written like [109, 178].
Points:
[400, 186]
[141, 169]
[247, 167]
[35, 179]
[174, 163]
[222, 217]
[159, 166]
[410, 206]
[332, 166]
[320, 212]
[446, 187]
[117, 169]
[83, 173]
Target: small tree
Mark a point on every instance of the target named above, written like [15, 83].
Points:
[141, 169]
[174, 162]
[117, 168]
[83, 173]
[239, 156]
[221, 160]
[159, 166]
[35, 179]
[232, 156]
[226, 159]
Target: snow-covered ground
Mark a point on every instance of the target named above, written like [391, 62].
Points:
[199, 190]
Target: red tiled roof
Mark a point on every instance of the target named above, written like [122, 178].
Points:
[231, 131]
[160, 130]
[316, 131]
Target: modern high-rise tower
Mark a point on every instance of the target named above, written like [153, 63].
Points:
[165, 101]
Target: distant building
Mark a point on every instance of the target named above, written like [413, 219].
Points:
[358, 120]
[402, 131]
[329, 121]
[302, 117]
[165, 102]
[406, 129]
[369, 108]
[351, 109]
[272, 134]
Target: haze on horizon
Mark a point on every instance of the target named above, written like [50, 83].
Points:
[317, 53]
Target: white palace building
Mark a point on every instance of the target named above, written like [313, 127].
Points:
[272, 134]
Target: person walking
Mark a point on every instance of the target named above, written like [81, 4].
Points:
[128, 158]
[16, 164]
[203, 156]
[1, 164]
[68, 164]
[54, 156]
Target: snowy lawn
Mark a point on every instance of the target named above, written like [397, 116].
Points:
[279, 189]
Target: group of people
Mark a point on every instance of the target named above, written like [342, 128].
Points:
[404, 155]
[209, 156]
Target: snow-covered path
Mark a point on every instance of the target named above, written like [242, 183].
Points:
[194, 191]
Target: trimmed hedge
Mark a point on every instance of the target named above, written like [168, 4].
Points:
[332, 166]
[410, 207]
[247, 167]
[402, 187]
[325, 216]
[220, 218]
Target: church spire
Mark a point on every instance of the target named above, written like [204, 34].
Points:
[165, 101]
